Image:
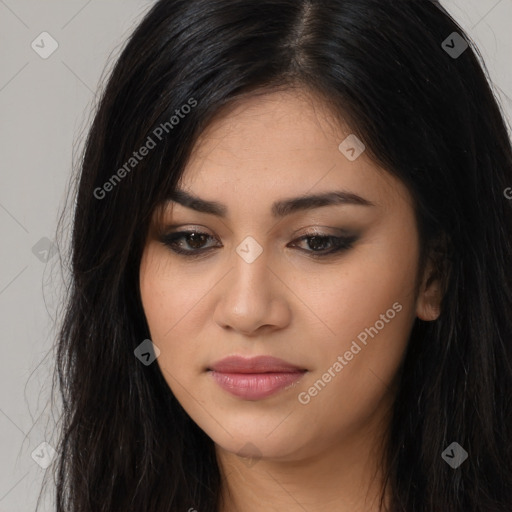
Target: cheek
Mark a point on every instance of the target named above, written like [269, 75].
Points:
[363, 285]
[168, 294]
[356, 378]
[173, 308]
[370, 309]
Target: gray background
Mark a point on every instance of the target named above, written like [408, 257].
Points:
[45, 107]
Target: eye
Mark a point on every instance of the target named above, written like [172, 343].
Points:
[325, 245]
[193, 243]
[190, 243]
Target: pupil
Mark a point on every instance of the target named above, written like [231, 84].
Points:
[317, 242]
[195, 240]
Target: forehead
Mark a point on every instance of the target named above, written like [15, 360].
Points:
[276, 145]
[285, 120]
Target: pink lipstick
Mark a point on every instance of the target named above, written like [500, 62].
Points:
[254, 378]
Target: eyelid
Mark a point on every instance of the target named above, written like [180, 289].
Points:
[317, 230]
[166, 228]
[314, 230]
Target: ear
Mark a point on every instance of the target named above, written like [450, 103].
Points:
[431, 289]
[428, 304]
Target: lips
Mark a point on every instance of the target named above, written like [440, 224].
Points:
[259, 364]
[254, 378]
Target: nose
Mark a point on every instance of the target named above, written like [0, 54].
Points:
[254, 298]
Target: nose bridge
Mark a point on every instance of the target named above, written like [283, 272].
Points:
[251, 296]
[250, 277]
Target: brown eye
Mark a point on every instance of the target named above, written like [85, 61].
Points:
[193, 243]
[187, 242]
[325, 245]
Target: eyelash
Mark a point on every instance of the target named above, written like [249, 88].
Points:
[340, 243]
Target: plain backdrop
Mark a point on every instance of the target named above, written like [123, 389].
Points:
[45, 106]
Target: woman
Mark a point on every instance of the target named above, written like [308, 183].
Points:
[291, 268]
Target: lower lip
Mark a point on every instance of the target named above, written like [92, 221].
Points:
[255, 386]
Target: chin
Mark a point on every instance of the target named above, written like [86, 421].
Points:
[257, 444]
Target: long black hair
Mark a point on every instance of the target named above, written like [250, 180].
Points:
[421, 102]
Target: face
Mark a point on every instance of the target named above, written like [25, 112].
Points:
[328, 287]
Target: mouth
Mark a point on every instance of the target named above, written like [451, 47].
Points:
[258, 364]
[255, 378]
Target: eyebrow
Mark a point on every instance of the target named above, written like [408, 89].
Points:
[279, 209]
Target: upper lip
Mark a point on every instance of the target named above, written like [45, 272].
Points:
[258, 364]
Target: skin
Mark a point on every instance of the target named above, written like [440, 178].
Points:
[277, 453]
